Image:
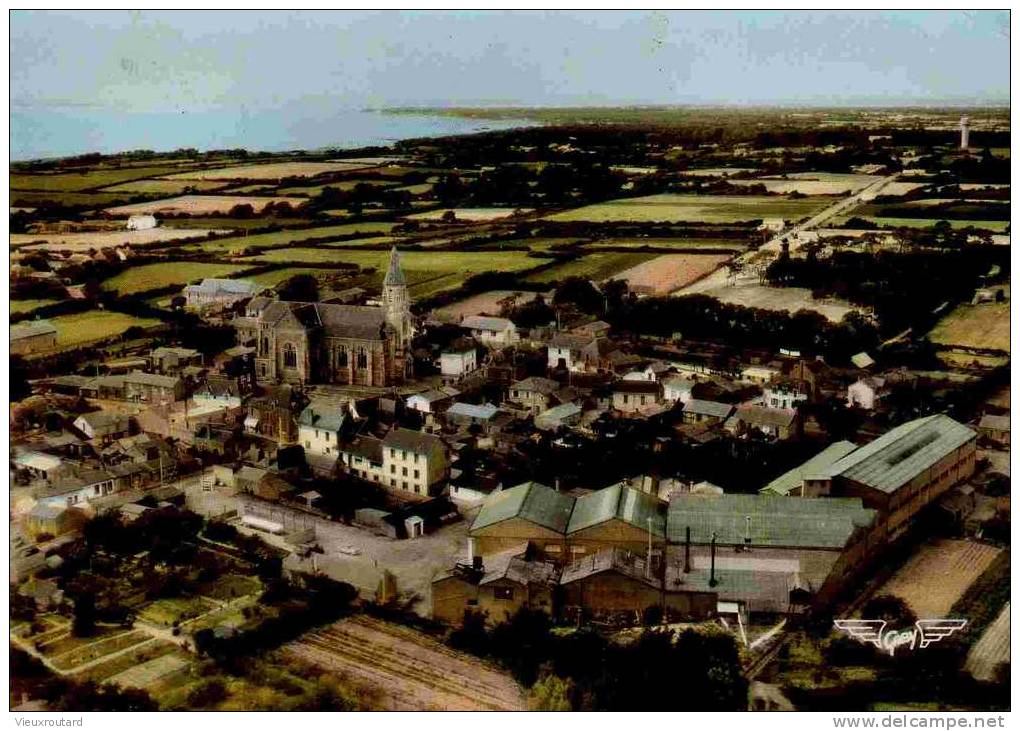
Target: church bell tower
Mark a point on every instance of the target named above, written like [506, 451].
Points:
[397, 306]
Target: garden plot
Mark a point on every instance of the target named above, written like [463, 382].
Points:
[148, 673]
[408, 670]
[201, 205]
[938, 574]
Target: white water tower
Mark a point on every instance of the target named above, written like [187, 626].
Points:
[964, 133]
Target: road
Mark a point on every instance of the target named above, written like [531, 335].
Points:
[721, 277]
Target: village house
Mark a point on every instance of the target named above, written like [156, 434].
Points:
[865, 393]
[103, 426]
[141, 223]
[218, 391]
[273, 414]
[564, 415]
[995, 428]
[170, 361]
[698, 411]
[635, 396]
[261, 483]
[655, 371]
[457, 361]
[464, 414]
[758, 374]
[773, 423]
[220, 292]
[319, 430]
[37, 336]
[53, 519]
[405, 460]
[784, 393]
[573, 352]
[536, 394]
[492, 332]
[428, 402]
[38, 465]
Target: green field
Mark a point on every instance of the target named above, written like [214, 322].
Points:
[34, 198]
[681, 244]
[984, 326]
[232, 223]
[271, 279]
[466, 262]
[155, 276]
[669, 207]
[169, 187]
[995, 226]
[597, 266]
[342, 185]
[87, 180]
[86, 327]
[20, 306]
[289, 236]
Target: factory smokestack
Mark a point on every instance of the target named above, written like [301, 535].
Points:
[964, 133]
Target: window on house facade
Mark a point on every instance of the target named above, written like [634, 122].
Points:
[362, 358]
[341, 357]
[417, 474]
[393, 469]
[289, 356]
[404, 471]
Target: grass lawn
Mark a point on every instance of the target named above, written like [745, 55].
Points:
[86, 180]
[230, 586]
[694, 208]
[164, 612]
[154, 276]
[289, 236]
[86, 327]
[20, 306]
[983, 326]
[597, 266]
[169, 187]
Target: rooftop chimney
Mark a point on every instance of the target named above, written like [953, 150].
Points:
[711, 576]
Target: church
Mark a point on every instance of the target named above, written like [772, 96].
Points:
[314, 342]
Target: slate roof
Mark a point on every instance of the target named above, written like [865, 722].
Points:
[545, 386]
[225, 286]
[368, 447]
[991, 421]
[340, 321]
[530, 501]
[482, 322]
[764, 416]
[708, 408]
[558, 413]
[636, 387]
[105, 422]
[412, 441]
[901, 454]
[816, 467]
[570, 341]
[618, 502]
[776, 520]
[320, 418]
[31, 329]
[473, 411]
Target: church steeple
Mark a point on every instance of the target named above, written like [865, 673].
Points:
[394, 275]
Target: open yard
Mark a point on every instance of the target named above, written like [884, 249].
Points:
[87, 327]
[98, 239]
[474, 215]
[791, 299]
[669, 207]
[200, 205]
[938, 574]
[272, 171]
[407, 670]
[164, 274]
[984, 326]
[665, 274]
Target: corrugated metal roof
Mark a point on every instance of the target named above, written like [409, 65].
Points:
[814, 467]
[775, 520]
[899, 455]
[474, 411]
[624, 503]
[531, 501]
[708, 408]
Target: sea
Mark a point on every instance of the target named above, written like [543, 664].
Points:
[49, 132]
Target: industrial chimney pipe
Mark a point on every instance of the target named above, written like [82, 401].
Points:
[711, 576]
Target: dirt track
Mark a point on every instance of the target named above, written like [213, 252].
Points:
[405, 670]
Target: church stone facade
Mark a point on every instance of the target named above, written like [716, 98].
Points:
[313, 342]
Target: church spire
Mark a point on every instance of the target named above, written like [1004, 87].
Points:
[395, 275]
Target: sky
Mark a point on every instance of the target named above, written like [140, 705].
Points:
[142, 61]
